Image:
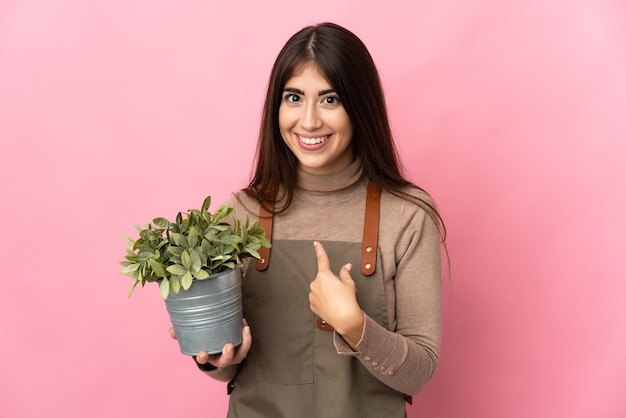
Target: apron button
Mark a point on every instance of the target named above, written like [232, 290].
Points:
[368, 266]
[323, 325]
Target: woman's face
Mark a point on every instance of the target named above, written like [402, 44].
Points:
[314, 124]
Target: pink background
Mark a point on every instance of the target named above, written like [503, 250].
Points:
[511, 113]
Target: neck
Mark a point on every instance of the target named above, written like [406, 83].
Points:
[331, 182]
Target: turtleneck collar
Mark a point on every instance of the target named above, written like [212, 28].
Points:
[331, 182]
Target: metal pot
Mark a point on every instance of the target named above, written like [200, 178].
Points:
[209, 314]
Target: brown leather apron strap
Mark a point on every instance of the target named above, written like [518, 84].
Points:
[370, 230]
[266, 216]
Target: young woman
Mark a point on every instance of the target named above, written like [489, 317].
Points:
[343, 316]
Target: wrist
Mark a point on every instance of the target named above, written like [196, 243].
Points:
[353, 332]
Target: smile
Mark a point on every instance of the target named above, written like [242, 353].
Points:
[312, 141]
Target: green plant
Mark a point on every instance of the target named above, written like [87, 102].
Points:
[195, 246]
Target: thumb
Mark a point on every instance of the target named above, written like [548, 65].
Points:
[344, 273]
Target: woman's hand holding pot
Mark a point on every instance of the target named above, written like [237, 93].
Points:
[230, 354]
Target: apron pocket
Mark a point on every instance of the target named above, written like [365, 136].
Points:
[283, 341]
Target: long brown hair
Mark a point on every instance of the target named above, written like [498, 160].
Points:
[349, 68]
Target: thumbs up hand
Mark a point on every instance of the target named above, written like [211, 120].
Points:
[333, 298]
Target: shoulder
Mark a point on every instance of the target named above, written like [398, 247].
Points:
[408, 199]
[243, 205]
[411, 211]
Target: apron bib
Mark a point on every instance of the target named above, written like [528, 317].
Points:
[293, 369]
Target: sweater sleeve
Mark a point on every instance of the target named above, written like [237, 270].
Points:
[222, 375]
[406, 357]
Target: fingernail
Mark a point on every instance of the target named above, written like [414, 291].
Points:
[349, 266]
[229, 349]
[315, 243]
[246, 330]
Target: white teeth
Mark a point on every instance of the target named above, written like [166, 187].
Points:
[313, 141]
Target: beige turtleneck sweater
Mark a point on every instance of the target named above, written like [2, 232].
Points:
[330, 208]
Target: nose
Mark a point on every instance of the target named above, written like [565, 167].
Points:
[310, 119]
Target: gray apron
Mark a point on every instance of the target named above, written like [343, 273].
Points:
[293, 369]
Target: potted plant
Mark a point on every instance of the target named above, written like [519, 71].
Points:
[197, 261]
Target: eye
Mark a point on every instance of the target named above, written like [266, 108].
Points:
[331, 100]
[291, 98]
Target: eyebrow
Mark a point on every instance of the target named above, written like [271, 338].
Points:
[300, 92]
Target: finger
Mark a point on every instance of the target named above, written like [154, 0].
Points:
[202, 357]
[344, 273]
[226, 359]
[242, 350]
[172, 333]
[322, 258]
[246, 336]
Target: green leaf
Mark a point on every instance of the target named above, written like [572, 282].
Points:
[208, 217]
[157, 268]
[231, 240]
[146, 234]
[175, 250]
[220, 227]
[196, 261]
[161, 223]
[186, 280]
[130, 268]
[132, 257]
[177, 269]
[175, 284]
[223, 211]
[195, 237]
[186, 260]
[191, 218]
[164, 288]
[253, 253]
[201, 275]
[206, 204]
[146, 255]
[130, 293]
[179, 239]
[229, 249]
